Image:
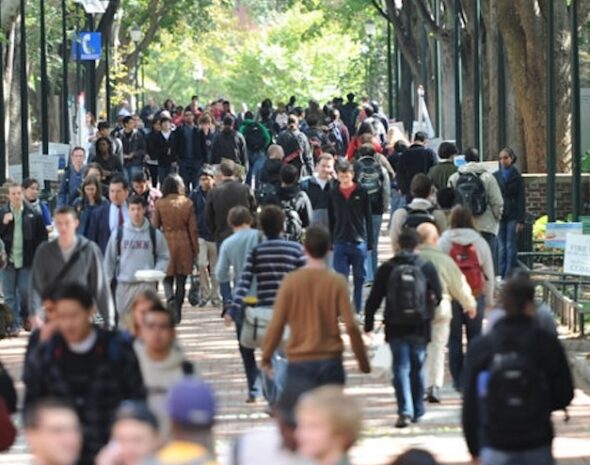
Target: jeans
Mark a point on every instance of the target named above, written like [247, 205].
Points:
[473, 328]
[408, 376]
[492, 241]
[257, 160]
[302, 377]
[132, 170]
[273, 387]
[189, 172]
[177, 294]
[371, 260]
[163, 172]
[250, 367]
[507, 247]
[540, 456]
[352, 254]
[15, 285]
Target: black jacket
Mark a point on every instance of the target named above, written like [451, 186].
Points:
[417, 159]
[133, 144]
[513, 193]
[111, 164]
[299, 200]
[230, 145]
[159, 148]
[350, 220]
[550, 358]
[179, 145]
[220, 200]
[271, 172]
[34, 233]
[418, 333]
[319, 197]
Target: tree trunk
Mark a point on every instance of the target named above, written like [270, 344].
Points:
[8, 13]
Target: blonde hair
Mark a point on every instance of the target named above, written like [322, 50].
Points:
[394, 135]
[342, 412]
[276, 152]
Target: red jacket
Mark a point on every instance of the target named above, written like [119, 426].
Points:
[7, 429]
[355, 145]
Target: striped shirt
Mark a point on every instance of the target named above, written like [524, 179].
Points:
[268, 263]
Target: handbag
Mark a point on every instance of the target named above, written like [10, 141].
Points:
[254, 326]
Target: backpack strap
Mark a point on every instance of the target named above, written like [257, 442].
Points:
[153, 240]
[188, 368]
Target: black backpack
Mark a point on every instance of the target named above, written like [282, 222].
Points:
[336, 139]
[291, 146]
[514, 390]
[293, 228]
[255, 137]
[265, 193]
[370, 176]
[228, 146]
[471, 193]
[406, 301]
[417, 216]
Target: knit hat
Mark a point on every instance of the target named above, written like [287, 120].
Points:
[191, 402]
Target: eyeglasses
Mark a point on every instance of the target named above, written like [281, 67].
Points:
[160, 326]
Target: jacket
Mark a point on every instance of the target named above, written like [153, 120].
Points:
[87, 270]
[111, 164]
[33, 230]
[115, 376]
[85, 210]
[230, 145]
[417, 159]
[99, 228]
[547, 355]
[319, 198]
[287, 139]
[221, 200]
[41, 207]
[298, 199]
[419, 332]
[160, 149]
[350, 220]
[379, 202]
[133, 147]
[69, 188]
[136, 253]
[489, 222]
[356, 144]
[234, 252]
[199, 198]
[439, 174]
[465, 236]
[175, 215]
[401, 214]
[271, 172]
[267, 137]
[179, 146]
[513, 193]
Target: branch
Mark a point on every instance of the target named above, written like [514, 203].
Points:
[380, 10]
[426, 15]
[406, 47]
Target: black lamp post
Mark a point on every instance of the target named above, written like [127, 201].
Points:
[24, 92]
[135, 34]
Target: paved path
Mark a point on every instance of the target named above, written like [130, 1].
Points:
[214, 349]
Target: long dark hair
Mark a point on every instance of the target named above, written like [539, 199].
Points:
[173, 184]
[92, 180]
[99, 140]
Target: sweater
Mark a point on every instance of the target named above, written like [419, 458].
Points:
[312, 302]
[137, 253]
[350, 219]
[440, 174]
[234, 252]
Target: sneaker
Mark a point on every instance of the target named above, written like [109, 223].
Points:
[433, 395]
[251, 400]
[14, 331]
[27, 326]
[203, 302]
[403, 421]
[216, 302]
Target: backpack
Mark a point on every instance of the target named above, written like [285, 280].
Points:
[265, 192]
[406, 300]
[293, 227]
[465, 256]
[255, 137]
[370, 176]
[291, 146]
[335, 138]
[471, 193]
[514, 390]
[416, 217]
[6, 320]
[229, 147]
[316, 144]
[152, 239]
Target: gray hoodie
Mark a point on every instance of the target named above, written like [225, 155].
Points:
[465, 236]
[489, 222]
[136, 253]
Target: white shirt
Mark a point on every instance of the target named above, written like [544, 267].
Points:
[114, 216]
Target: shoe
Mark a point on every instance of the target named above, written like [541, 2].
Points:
[27, 326]
[433, 395]
[403, 421]
[216, 302]
[13, 332]
[203, 302]
[251, 400]
[368, 284]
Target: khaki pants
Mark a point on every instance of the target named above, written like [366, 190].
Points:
[434, 366]
[209, 286]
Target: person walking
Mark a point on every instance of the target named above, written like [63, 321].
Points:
[296, 147]
[22, 230]
[133, 143]
[72, 178]
[231, 145]
[412, 289]
[161, 150]
[445, 168]
[31, 199]
[258, 138]
[141, 186]
[175, 216]
[189, 150]
[91, 198]
[513, 214]
[417, 159]
[318, 188]
[106, 159]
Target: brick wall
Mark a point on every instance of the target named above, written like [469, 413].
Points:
[536, 188]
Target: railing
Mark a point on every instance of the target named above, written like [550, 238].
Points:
[571, 314]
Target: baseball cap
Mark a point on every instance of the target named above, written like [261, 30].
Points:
[191, 402]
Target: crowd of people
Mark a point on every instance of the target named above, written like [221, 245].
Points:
[265, 215]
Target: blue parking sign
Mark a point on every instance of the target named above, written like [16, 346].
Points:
[87, 46]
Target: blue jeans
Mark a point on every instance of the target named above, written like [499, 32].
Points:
[163, 172]
[507, 247]
[398, 200]
[250, 367]
[273, 387]
[132, 170]
[302, 377]
[408, 376]
[473, 329]
[256, 160]
[492, 241]
[352, 254]
[540, 456]
[16, 286]
[189, 172]
[372, 256]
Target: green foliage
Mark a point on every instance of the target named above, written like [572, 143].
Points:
[586, 162]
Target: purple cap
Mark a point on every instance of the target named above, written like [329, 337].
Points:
[191, 402]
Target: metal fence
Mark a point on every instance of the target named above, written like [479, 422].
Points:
[570, 313]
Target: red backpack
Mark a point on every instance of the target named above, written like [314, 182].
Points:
[465, 256]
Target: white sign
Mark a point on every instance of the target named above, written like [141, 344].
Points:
[15, 173]
[43, 168]
[577, 254]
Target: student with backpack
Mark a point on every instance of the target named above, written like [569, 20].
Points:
[419, 210]
[296, 147]
[417, 159]
[515, 377]
[473, 256]
[351, 226]
[375, 180]
[411, 289]
[229, 144]
[258, 138]
[316, 136]
[479, 191]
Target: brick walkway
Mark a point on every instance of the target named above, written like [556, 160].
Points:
[214, 349]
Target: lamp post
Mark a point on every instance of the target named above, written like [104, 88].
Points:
[24, 92]
[370, 32]
[107, 41]
[198, 74]
[135, 34]
[44, 82]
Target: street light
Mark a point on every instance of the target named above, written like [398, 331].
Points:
[370, 28]
[198, 74]
[370, 31]
[135, 34]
